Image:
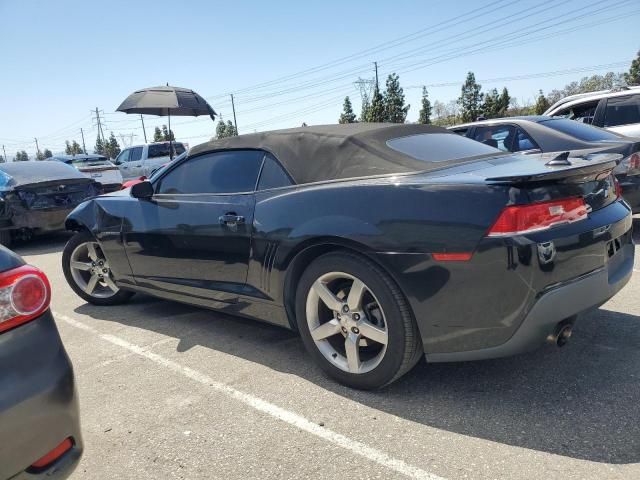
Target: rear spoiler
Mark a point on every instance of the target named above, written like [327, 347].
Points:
[586, 166]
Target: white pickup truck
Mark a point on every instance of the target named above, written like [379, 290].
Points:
[143, 160]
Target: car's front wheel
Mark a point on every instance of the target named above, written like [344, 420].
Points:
[355, 321]
[88, 272]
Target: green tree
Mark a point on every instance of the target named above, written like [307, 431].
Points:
[376, 111]
[470, 99]
[112, 147]
[166, 136]
[425, 111]
[504, 102]
[230, 129]
[366, 106]
[47, 153]
[221, 129]
[542, 104]
[589, 84]
[347, 115]
[67, 148]
[99, 148]
[76, 148]
[40, 155]
[395, 111]
[633, 76]
[491, 104]
[158, 135]
[21, 156]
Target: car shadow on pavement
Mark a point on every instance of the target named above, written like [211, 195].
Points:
[42, 244]
[581, 401]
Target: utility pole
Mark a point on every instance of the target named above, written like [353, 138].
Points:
[100, 132]
[233, 106]
[37, 148]
[6, 160]
[377, 85]
[84, 147]
[143, 130]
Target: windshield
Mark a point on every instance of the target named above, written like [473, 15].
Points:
[581, 131]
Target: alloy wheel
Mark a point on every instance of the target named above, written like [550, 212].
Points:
[346, 322]
[91, 272]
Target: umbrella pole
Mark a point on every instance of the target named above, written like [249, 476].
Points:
[170, 142]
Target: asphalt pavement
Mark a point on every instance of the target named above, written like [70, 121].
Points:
[172, 391]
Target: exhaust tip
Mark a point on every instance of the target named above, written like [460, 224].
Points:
[561, 335]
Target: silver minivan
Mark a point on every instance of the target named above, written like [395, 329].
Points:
[143, 160]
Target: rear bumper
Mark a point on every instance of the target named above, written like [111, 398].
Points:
[38, 402]
[554, 305]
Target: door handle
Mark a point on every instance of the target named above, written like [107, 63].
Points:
[231, 219]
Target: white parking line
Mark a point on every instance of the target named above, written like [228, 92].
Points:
[263, 406]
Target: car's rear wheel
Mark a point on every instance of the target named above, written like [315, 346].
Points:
[355, 321]
[88, 272]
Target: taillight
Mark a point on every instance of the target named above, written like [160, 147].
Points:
[629, 165]
[634, 162]
[518, 219]
[25, 294]
[617, 186]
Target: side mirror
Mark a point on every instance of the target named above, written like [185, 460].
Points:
[142, 190]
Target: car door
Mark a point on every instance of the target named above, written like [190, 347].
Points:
[136, 168]
[157, 156]
[622, 115]
[193, 236]
[122, 161]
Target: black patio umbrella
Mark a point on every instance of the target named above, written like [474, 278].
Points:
[167, 101]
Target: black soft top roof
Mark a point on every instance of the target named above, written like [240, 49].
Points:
[327, 152]
[23, 173]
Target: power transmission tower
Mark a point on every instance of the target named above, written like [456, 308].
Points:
[83, 145]
[364, 85]
[124, 142]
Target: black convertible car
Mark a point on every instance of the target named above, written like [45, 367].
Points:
[535, 134]
[379, 243]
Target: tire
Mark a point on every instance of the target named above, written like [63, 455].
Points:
[103, 291]
[5, 238]
[382, 306]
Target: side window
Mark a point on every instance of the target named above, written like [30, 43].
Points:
[523, 142]
[622, 111]
[273, 175]
[136, 154]
[583, 112]
[123, 157]
[461, 131]
[158, 150]
[498, 136]
[178, 149]
[233, 171]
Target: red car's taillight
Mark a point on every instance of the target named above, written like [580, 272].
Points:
[25, 294]
[518, 219]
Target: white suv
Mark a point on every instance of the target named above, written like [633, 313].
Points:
[143, 160]
[615, 110]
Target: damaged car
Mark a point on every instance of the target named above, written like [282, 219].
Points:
[36, 197]
[97, 167]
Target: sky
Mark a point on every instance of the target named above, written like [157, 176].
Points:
[285, 62]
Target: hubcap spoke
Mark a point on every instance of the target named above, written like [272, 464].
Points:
[354, 299]
[81, 266]
[91, 284]
[353, 352]
[372, 332]
[329, 299]
[332, 327]
[110, 283]
[91, 250]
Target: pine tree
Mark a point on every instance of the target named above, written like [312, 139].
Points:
[221, 129]
[376, 111]
[112, 148]
[395, 109]
[21, 156]
[633, 77]
[166, 135]
[425, 111]
[99, 148]
[542, 104]
[491, 104]
[76, 148]
[366, 106]
[40, 155]
[67, 148]
[504, 102]
[47, 153]
[230, 129]
[347, 115]
[157, 135]
[470, 99]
